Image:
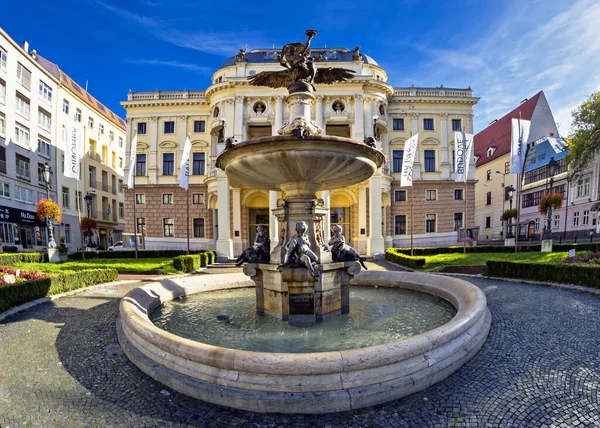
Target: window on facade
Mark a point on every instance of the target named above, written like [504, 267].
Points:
[488, 198]
[2, 92]
[140, 224]
[429, 156]
[140, 198]
[65, 197]
[23, 76]
[140, 166]
[2, 59]
[141, 128]
[458, 194]
[488, 222]
[456, 125]
[556, 221]
[199, 126]
[397, 156]
[537, 223]
[400, 225]
[120, 186]
[3, 159]
[22, 135]
[507, 167]
[78, 115]
[7, 233]
[398, 124]
[91, 122]
[23, 194]
[65, 106]
[488, 175]
[533, 199]
[121, 210]
[167, 198]
[168, 227]
[168, 164]
[120, 162]
[198, 224]
[430, 195]
[22, 105]
[22, 167]
[586, 218]
[400, 195]
[45, 91]
[44, 148]
[67, 233]
[169, 127]
[541, 173]
[121, 142]
[458, 221]
[583, 187]
[198, 198]
[428, 124]
[4, 189]
[111, 135]
[101, 129]
[198, 163]
[429, 223]
[44, 119]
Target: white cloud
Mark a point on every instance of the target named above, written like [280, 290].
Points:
[193, 67]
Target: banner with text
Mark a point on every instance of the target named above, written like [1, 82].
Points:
[73, 148]
[184, 167]
[408, 159]
[519, 136]
[463, 153]
[132, 163]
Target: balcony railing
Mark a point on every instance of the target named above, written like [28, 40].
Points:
[92, 183]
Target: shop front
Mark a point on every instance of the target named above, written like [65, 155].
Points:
[22, 229]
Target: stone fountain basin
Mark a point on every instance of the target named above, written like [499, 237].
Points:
[319, 162]
[303, 383]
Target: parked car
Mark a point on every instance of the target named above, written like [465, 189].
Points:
[116, 246]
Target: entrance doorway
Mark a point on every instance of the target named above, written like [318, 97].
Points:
[340, 213]
[256, 217]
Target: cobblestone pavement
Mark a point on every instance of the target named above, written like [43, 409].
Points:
[61, 365]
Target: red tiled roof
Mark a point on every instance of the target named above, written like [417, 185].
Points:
[498, 133]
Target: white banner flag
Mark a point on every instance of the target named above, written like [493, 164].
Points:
[408, 159]
[73, 148]
[519, 136]
[132, 163]
[184, 167]
[558, 144]
[463, 153]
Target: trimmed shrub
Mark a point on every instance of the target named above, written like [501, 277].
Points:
[582, 274]
[403, 260]
[203, 259]
[10, 249]
[6, 259]
[16, 294]
[212, 256]
[186, 263]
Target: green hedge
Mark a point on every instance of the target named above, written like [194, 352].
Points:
[581, 274]
[212, 256]
[130, 254]
[16, 294]
[186, 263]
[525, 248]
[203, 259]
[394, 256]
[7, 259]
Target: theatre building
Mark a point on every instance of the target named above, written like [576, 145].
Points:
[375, 214]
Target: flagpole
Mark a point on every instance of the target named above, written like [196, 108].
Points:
[412, 223]
[79, 217]
[134, 218]
[187, 198]
[466, 208]
[518, 213]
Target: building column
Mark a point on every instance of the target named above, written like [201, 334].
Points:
[238, 128]
[319, 112]
[229, 108]
[278, 115]
[326, 196]
[359, 124]
[445, 164]
[362, 221]
[376, 243]
[224, 243]
[415, 130]
[237, 220]
[368, 117]
[152, 162]
[273, 225]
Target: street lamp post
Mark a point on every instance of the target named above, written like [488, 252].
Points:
[551, 171]
[503, 195]
[47, 175]
[511, 194]
[88, 204]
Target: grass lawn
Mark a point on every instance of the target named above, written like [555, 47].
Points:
[478, 259]
[121, 265]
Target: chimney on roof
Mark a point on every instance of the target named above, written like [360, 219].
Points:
[25, 46]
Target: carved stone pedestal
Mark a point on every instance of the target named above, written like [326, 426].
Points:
[294, 295]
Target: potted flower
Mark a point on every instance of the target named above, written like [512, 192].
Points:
[48, 209]
[551, 200]
[88, 223]
[512, 213]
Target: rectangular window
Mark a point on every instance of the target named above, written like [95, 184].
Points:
[4, 189]
[7, 233]
[198, 198]
[23, 194]
[169, 127]
[583, 187]
[140, 198]
[167, 198]
[45, 91]
[456, 125]
[141, 128]
[458, 221]
[44, 120]
[44, 148]
[168, 227]
[2, 59]
[556, 221]
[120, 162]
[2, 159]
[400, 225]
[586, 218]
[429, 223]
[22, 105]
[65, 106]
[101, 129]
[2, 92]
[91, 122]
[488, 222]
[111, 135]
[198, 227]
[488, 175]
[121, 142]
[429, 156]
[22, 135]
[121, 210]
[78, 115]
[168, 164]
[458, 194]
[488, 198]
[23, 167]
[398, 124]
[23, 76]
[507, 167]
[400, 195]
[140, 166]
[120, 186]
[65, 197]
[199, 126]
[430, 195]
[67, 233]
[397, 156]
[198, 164]
[537, 223]
[141, 224]
[428, 124]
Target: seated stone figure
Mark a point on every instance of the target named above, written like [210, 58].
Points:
[342, 252]
[298, 252]
[260, 251]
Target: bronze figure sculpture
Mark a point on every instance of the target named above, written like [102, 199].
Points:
[299, 67]
[260, 251]
[298, 252]
[342, 252]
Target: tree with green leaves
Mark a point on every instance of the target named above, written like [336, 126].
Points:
[584, 141]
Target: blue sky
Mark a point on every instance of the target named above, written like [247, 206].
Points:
[505, 50]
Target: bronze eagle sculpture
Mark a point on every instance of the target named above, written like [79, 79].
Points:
[299, 66]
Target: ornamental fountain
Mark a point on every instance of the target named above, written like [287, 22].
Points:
[301, 279]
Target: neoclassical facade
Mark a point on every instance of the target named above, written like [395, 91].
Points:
[375, 214]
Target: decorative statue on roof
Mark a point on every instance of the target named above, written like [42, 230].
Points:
[241, 56]
[260, 251]
[299, 64]
[342, 252]
[298, 252]
[356, 55]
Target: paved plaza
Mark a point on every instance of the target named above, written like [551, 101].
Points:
[61, 366]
